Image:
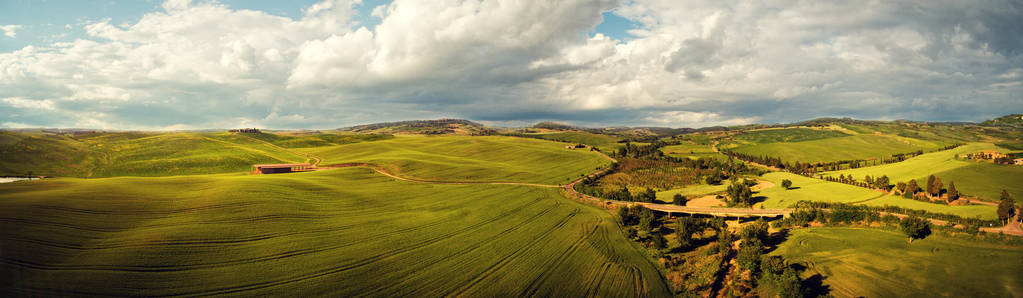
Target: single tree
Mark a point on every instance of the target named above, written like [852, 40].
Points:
[915, 227]
[912, 187]
[679, 199]
[684, 229]
[658, 241]
[1007, 207]
[953, 193]
[930, 185]
[938, 186]
[786, 183]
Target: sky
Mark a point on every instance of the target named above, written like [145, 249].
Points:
[308, 64]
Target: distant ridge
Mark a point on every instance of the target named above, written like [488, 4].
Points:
[424, 127]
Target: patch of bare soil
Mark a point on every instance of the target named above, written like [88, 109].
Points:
[762, 185]
[705, 201]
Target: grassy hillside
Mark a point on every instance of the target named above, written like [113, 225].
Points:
[972, 178]
[340, 232]
[691, 150]
[180, 154]
[109, 154]
[44, 154]
[316, 140]
[969, 211]
[461, 158]
[601, 141]
[809, 189]
[874, 263]
[853, 147]
[788, 135]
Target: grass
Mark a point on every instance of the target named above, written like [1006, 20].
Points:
[788, 135]
[973, 178]
[134, 154]
[691, 150]
[182, 154]
[462, 158]
[691, 191]
[601, 141]
[855, 147]
[316, 140]
[341, 232]
[969, 211]
[44, 154]
[809, 189]
[875, 263]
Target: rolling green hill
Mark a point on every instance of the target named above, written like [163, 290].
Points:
[316, 139]
[972, 178]
[341, 232]
[181, 154]
[462, 158]
[44, 154]
[873, 263]
[817, 190]
[601, 141]
[855, 147]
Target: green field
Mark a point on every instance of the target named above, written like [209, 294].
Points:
[340, 232]
[316, 139]
[601, 141]
[691, 191]
[44, 154]
[461, 158]
[691, 150]
[788, 135]
[874, 263]
[855, 147]
[969, 211]
[134, 154]
[981, 179]
[809, 189]
[182, 154]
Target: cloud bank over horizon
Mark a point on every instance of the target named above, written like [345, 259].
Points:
[204, 64]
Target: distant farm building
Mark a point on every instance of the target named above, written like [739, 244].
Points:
[282, 168]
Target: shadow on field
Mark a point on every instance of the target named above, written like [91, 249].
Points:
[814, 286]
[794, 188]
[775, 239]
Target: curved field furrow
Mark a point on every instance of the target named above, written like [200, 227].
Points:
[559, 260]
[349, 266]
[504, 261]
[341, 232]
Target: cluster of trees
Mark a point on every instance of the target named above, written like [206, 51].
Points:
[1004, 160]
[774, 270]
[882, 183]
[740, 194]
[809, 169]
[835, 213]
[934, 189]
[246, 130]
[679, 199]
[621, 194]
[649, 151]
